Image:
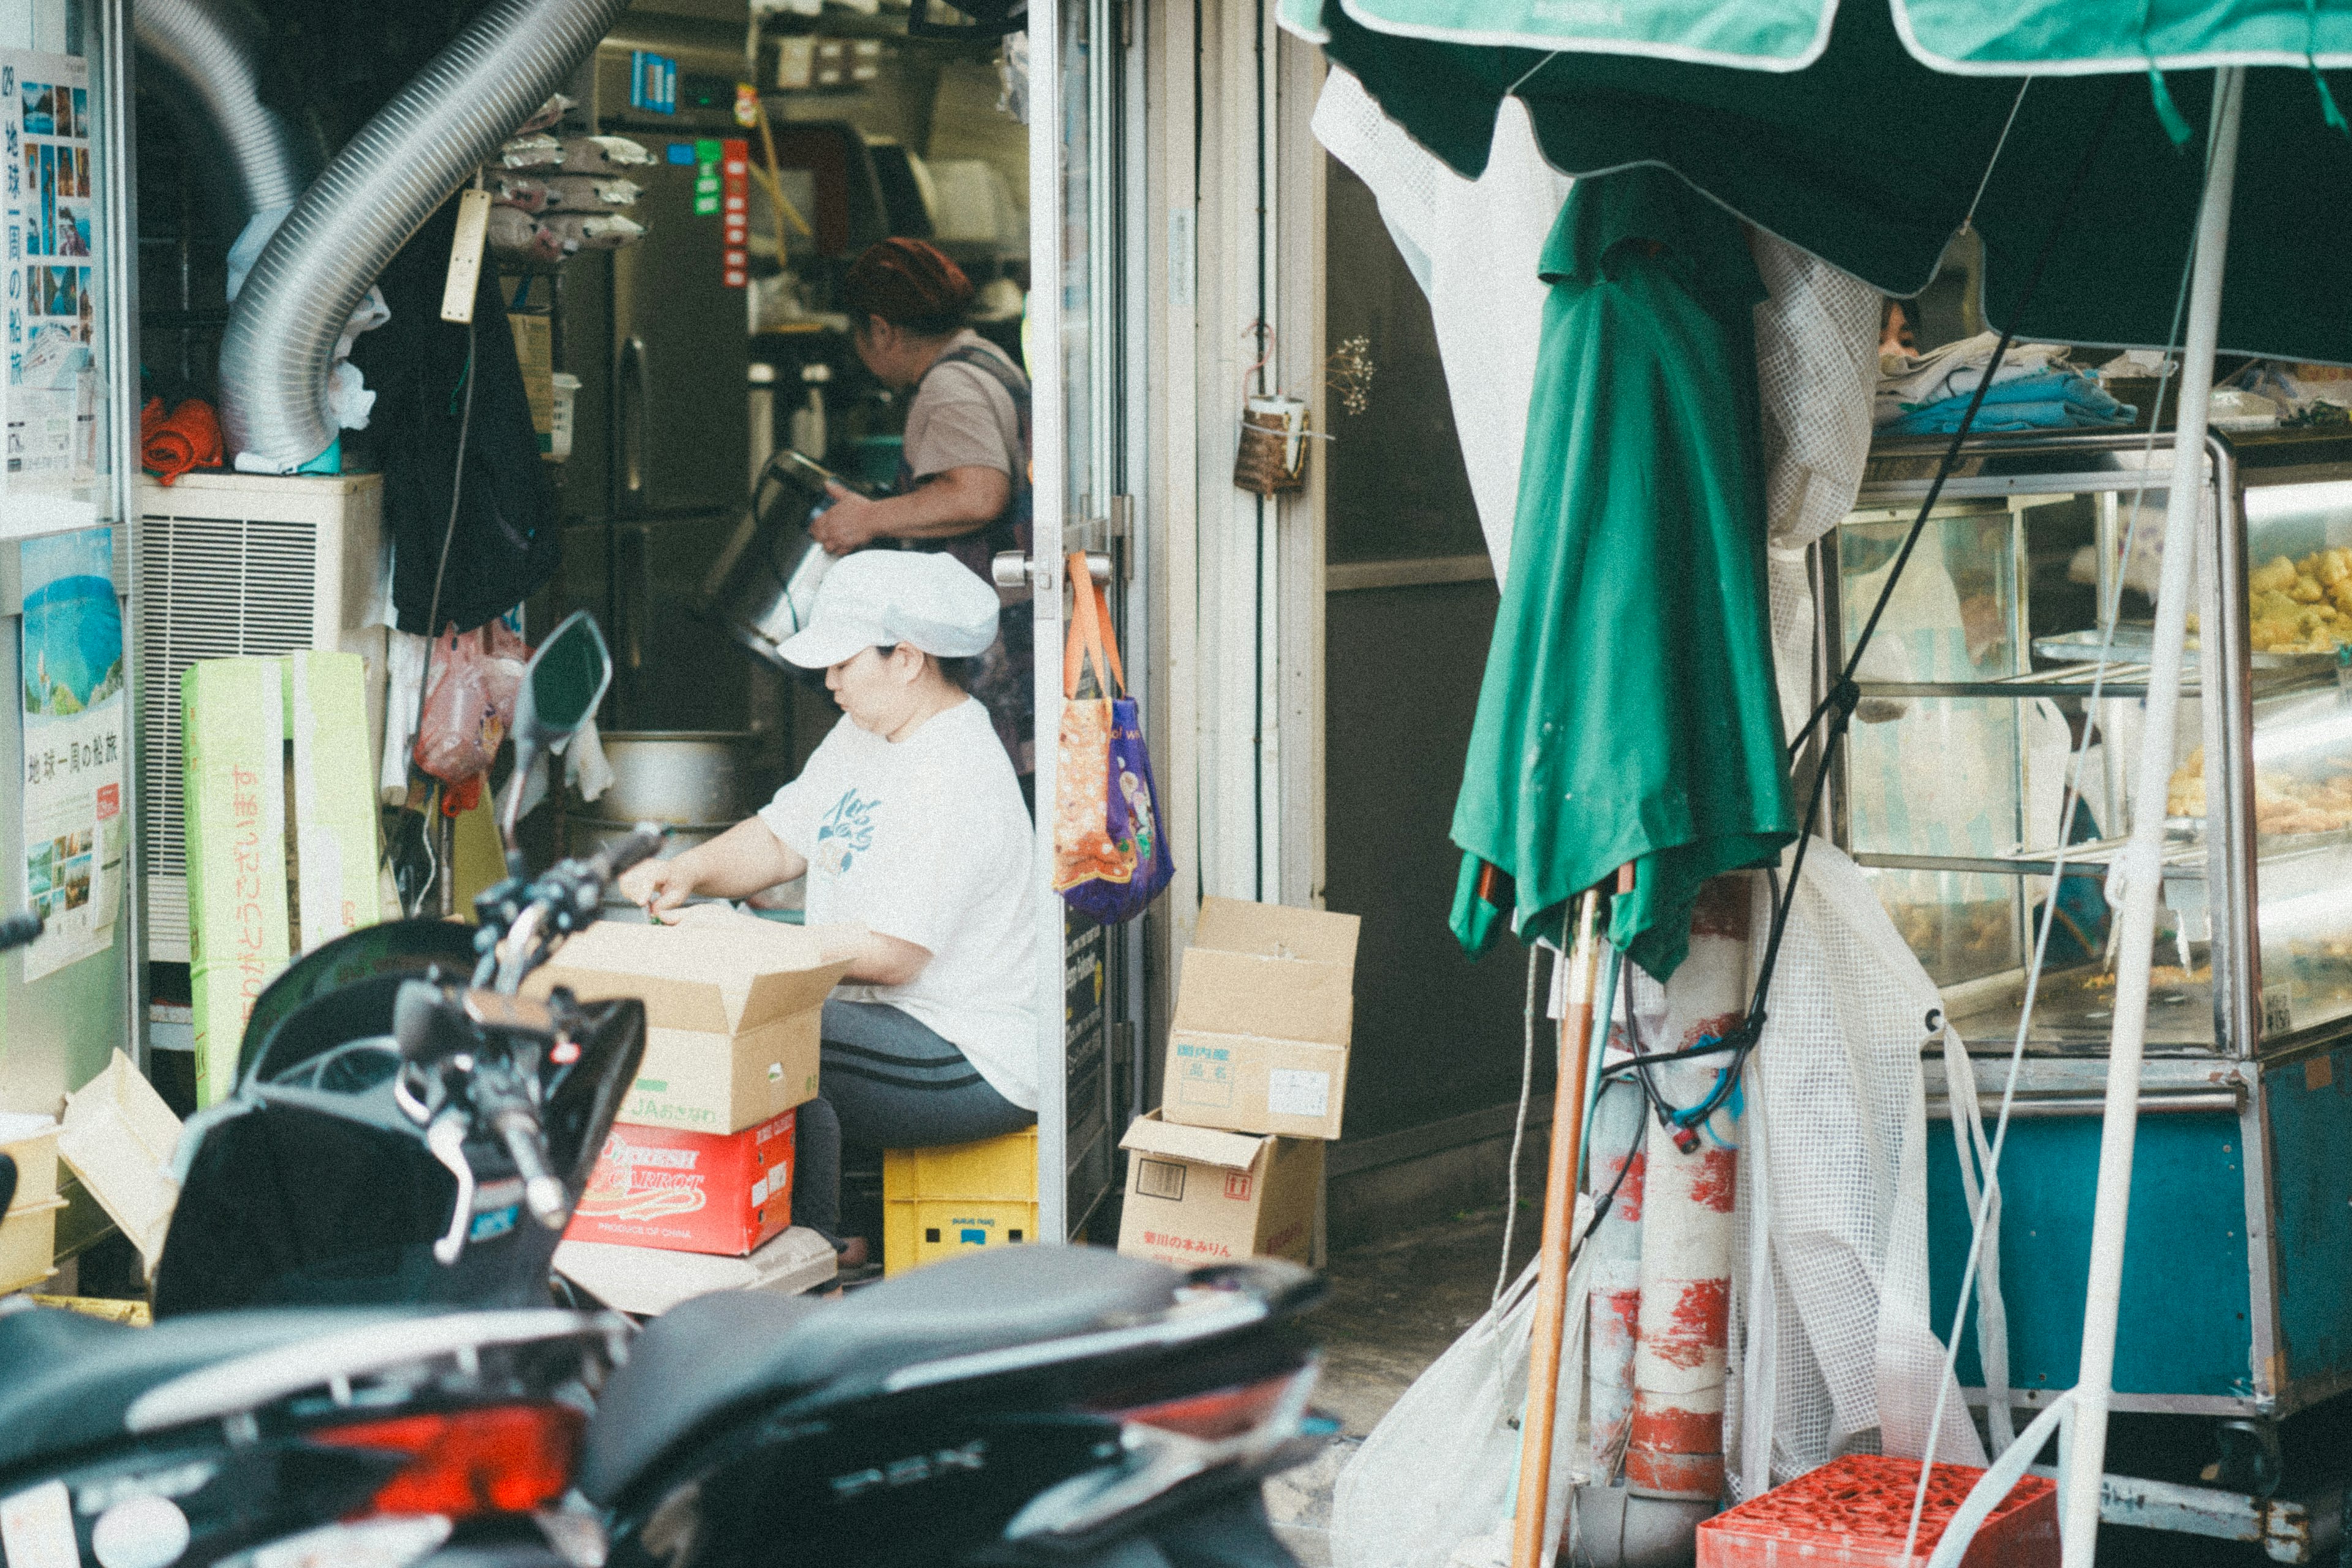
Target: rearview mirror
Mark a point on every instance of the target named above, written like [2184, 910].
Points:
[564, 682]
[561, 689]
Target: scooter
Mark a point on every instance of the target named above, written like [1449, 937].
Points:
[1053, 1405]
[312, 1390]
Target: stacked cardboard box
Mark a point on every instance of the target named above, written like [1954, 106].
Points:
[700, 1157]
[255, 901]
[1230, 1166]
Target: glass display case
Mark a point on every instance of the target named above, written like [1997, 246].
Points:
[1985, 676]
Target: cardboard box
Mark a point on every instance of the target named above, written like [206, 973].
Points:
[233, 722]
[647, 1282]
[1264, 1010]
[31, 1141]
[727, 1193]
[120, 1139]
[28, 1244]
[334, 795]
[731, 1015]
[1198, 1196]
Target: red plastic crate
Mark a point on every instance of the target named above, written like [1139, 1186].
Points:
[1854, 1511]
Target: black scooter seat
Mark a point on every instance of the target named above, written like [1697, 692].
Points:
[68, 1380]
[712, 1355]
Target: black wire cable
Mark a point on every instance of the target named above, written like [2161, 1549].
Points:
[1608, 1200]
[1845, 693]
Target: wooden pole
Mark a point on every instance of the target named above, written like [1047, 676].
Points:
[1558, 1228]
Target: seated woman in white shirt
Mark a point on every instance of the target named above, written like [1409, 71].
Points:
[910, 826]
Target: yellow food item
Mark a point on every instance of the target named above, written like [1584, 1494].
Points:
[2301, 607]
[2285, 802]
[2275, 575]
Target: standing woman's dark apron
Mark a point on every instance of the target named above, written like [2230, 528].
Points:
[1002, 679]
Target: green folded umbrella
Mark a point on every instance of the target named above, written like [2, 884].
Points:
[1628, 711]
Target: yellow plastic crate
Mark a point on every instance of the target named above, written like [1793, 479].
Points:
[941, 1201]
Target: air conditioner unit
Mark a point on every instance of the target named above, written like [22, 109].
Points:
[231, 565]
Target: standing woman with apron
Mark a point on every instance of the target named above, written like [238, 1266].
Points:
[964, 475]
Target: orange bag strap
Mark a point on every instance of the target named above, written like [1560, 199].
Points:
[1105, 639]
[1090, 637]
[1085, 641]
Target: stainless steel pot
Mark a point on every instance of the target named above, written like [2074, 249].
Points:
[763, 585]
[687, 778]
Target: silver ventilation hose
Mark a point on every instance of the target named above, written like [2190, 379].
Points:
[377, 193]
[212, 50]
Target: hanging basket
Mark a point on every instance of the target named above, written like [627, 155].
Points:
[1272, 458]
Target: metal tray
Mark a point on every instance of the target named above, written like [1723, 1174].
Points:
[2135, 643]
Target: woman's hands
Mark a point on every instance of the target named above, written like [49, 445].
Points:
[661, 886]
[735, 864]
[851, 523]
[944, 506]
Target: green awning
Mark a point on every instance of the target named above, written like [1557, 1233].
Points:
[1988, 38]
[1628, 711]
[1870, 159]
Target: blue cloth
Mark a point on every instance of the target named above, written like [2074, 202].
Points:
[889, 1082]
[2049, 400]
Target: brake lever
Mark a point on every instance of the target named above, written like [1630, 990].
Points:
[447, 1139]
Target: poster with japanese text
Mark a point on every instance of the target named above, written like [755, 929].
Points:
[49, 239]
[74, 745]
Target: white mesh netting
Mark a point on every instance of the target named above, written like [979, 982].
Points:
[1831, 1322]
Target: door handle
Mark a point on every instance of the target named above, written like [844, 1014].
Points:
[1014, 572]
[633, 414]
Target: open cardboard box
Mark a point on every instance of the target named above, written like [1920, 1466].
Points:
[1264, 1010]
[120, 1139]
[1196, 1195]
[731, 1016]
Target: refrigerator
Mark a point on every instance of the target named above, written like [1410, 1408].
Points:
[657, 334]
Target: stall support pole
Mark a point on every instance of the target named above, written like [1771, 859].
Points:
[1558, 1232]
[2141, 863]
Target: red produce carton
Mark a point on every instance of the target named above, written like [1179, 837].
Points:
[1854, 1511]
[725, 1192]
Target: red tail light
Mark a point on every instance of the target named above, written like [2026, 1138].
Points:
[1222, 1413]
[508, 1458]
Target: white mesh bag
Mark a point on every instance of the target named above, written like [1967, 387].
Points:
[1435, 1484]
[1832, 1333]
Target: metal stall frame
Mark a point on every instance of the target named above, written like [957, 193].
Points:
[2251, 1043]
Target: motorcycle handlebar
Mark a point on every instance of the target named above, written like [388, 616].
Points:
[641, 844]
[527, 1146]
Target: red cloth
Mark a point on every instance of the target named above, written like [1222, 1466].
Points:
[187, 437]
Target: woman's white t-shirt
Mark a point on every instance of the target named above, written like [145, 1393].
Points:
[926, 839]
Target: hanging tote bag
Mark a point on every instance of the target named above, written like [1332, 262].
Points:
[1110, 856]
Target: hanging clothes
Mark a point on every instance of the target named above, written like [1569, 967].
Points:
[506, 537]
[1628, 711]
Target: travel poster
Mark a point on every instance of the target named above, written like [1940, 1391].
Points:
[49, 241]
[75, 746]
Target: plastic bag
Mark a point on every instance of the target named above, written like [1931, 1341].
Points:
[1111, 854]
[476, 677]
[526, 193]
[591, 193]
[1435, 1484]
